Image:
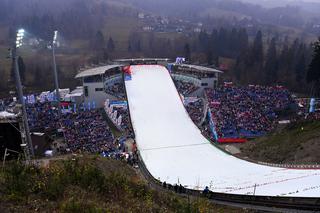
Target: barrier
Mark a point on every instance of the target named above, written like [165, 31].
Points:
[212, 125]
[127, 70]
[232, 140]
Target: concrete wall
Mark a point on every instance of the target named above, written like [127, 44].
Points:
[93, 95]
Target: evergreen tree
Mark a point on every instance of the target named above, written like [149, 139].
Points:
[209, 57]
[243, 40]
[283, 58]
[293, 55]
[243, 59]
[138, 46]
[284, 64]
[222, 42]
[313, 74]
[105, 55]
[98, 42]
[110, 45]
[257, 50]
[187, 52]
[300, 64]
[203, 41]
[38, 80]
[300, 69]
[271, 66]
[213, 46]
[169, 49]
[129, 47]
[255, 61]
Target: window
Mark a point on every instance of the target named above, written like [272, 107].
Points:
[99, 89]
[204, 84]
[92, 79]
[86, 93]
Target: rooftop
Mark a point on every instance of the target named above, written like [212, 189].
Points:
[7, 117]
[197, 68]
[96, 71]
[141, 59]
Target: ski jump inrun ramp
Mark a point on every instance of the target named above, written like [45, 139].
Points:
[174, 150]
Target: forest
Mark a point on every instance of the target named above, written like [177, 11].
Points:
[96, 32]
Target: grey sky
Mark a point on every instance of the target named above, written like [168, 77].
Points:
[260, 1]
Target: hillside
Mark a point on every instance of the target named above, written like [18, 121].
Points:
[86, 28]
[89, 184]
[297, 143]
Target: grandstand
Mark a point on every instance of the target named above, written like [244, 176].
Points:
[201, 77]
[247, 112]
[106, 82]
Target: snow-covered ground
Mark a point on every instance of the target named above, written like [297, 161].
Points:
[174, 150]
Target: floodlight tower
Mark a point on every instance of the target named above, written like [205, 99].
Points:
[26, 137]
[56, 82]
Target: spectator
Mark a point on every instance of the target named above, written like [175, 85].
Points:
[195, 110]
[185, 88]
[87, 131]
[246, 111]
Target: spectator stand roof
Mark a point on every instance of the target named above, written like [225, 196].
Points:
[97, 70]
[7, 117]
[196, 68]
[141, 60]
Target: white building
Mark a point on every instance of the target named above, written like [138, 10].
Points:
[203, 77]
[141, 15]
[94, 86]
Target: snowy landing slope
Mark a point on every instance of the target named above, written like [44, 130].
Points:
[174, 150]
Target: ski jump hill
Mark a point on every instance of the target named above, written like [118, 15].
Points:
[174, 150]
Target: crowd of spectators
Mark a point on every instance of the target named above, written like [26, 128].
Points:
[303, 111]
[205, 129]
[195, 110]
[313, 116]
[87, 131]
[125, 124]
[116, 89]
[83, 130]
[42, 116]
[185, 88]
[246, 111]
[316, 115]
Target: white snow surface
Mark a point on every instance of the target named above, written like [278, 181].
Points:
[174, 150]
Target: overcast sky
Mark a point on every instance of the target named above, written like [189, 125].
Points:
[302, 0]
[278, 2]
[284, 0]
[309, 0]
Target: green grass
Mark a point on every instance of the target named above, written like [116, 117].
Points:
[297, 143]
[119, 28]
[89, 184]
